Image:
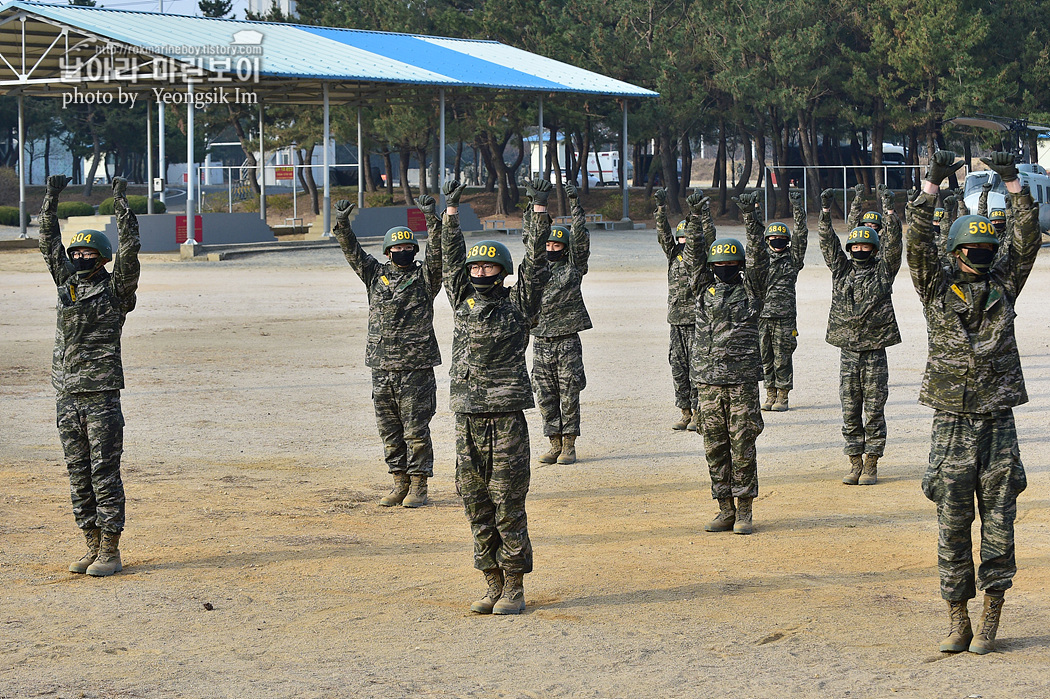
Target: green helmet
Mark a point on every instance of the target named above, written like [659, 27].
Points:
[726, 250]
[680, 231]
[559, 234]
[399, 235]
[997, 215]
[491, 251]
[862, 234]
[96, 240]
[777, 228]
[872, 219]
[938, 214]
[969, 230]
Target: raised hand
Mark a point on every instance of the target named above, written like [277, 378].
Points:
[661, 197]
[825, 198]
[453, 190]
[56, 183]
[796, 199]
[697, 202]
[1004, 165]
[426, 204]
[570, 190]
[539, 190]
[342, 211]
[942, 165]
[120, 187]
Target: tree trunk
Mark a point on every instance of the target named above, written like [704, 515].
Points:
[512, 169]
[723, 191]
[246, 145]
[309, 182]
[389, 169]
[490, 169]
[421, 155]
[404, 152]
[457, 168]
[745, 176]
[760, 151]
[667, 166]
[556, 169]
[809, 154]
[47, 155]
[96, 152]
[687, 164]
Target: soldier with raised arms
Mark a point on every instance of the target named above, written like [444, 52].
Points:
[729, 284]
[862, 324]
[490, 390]
[401, 348]
[972, 381]
[86, 369]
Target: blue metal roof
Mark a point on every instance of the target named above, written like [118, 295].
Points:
[323, 53]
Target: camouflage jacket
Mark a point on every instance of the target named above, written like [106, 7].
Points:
[861, 316]
[784, 266]
[726, 339]
[681, 303]
[400, 303]
[973, 365]
[91, 312]
[491, 331]
[562, 311]
[1008, 230]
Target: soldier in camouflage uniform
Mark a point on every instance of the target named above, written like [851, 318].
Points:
[401, 348]
[681, 308]
[86, 370]
[557, 354]
[973, 380]
[490, 390]
[863, 325]
[777, 332]
[729, 284]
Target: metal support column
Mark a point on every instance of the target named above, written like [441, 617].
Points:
[623, 166]
[191, 171]
[441, 151]
[360, 166]
[326, 229]
[262, 166]
[149, 157]
[539, 143]
[23, 223]
[162, 158]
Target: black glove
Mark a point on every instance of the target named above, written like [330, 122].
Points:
[697, 202]
[56, 183]
[660, 196]
[942, 165]
[888, 197]
[426, 204]
[570, 191]
[949, 201]
[861, 189]
[1003, 164]
[342, 211]
[913, 194]
[746, 202]
[453, 191]
[796, 199]
[826, 197]
[120, 187]
[539, 190]
[986, 187]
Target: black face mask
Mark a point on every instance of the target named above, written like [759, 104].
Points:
[84, 265]
[778, 243]
[556, 255]
[486, 285]
[860, 255]
[999, 227]
[730, 274]
[679, 248]
[403, 258]
[977, 258]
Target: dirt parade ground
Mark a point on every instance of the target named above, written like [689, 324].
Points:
[257, 564]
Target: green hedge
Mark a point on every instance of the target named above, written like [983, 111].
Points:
[9, 216]
[137, 202]
[75, 208]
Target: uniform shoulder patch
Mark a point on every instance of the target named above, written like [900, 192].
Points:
[385, 280]
[958, 291]
[712, 290]
[470, 302]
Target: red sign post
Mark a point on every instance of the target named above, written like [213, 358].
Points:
[180, 229]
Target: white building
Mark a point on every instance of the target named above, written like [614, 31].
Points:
[261, 7]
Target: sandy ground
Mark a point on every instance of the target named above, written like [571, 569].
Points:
[252, 467]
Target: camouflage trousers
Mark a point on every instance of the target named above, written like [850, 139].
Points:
[864, 379]
[405, 402]
[731, 420]
[91, 428]
[680, 355]
[558, 378]
[492, 477]
[974, 456]
[777, 342]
